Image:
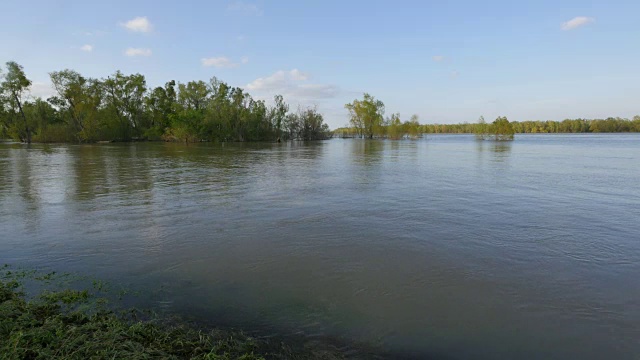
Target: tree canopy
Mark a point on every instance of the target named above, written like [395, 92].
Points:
[501, 129]
[13, 88]
[366, 115]
[121, 107]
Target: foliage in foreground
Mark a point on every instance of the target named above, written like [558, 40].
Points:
[72, 324]
[45, 328]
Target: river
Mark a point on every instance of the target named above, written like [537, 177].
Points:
[442, 247]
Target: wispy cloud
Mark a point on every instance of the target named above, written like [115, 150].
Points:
[438, 58]
[577, 22]
[223, 62]
[455, 74]
[137, 52]
[246, 8]
[138, 24]
[87, 48]
[293, 84]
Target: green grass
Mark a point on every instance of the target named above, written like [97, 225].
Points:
[75, 324]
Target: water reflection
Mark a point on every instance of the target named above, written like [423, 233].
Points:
[412, 245]
[501, 147]
[500, 150]
[367, 152]
[90, 173]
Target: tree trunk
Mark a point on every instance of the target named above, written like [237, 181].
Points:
[24, 118]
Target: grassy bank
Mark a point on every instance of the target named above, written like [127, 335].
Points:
[76, 324]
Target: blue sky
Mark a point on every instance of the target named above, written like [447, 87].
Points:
[447, 61]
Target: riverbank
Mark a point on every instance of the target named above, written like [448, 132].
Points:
[77, 324]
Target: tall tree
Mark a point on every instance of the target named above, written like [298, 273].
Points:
[366, 115]
[79, 99]
[161, 105]
[125, 96]
[13, 87]
[278, 113]
[193, 95]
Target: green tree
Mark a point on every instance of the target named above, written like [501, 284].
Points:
[13, 87]
[394, 127]
[125, 98]
[366, 115]
[45, 119]
[79, 100]
[161, 105]
[502, 129]
[482, 129]
[193, 95]
[412, 127]
[278, 113]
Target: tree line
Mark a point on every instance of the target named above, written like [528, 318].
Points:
[608, 125]
[367, 120]
[121, 107]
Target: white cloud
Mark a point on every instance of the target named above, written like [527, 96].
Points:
[137, 52]
[219, 62]
[438, 58]
[244, 8]
[577, 22]
[292, 84]
[42, 90]
[275, 81]
[87, 48]
[244, 59]
[138, 24]
[298, 75]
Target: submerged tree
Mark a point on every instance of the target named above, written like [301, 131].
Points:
[481, 129]
[306, 124]
[412, 127]
[366, 115]
[394, 127]
[500, 130]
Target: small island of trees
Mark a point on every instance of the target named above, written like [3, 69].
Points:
[500, 130]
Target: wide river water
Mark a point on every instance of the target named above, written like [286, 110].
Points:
[443, 247]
